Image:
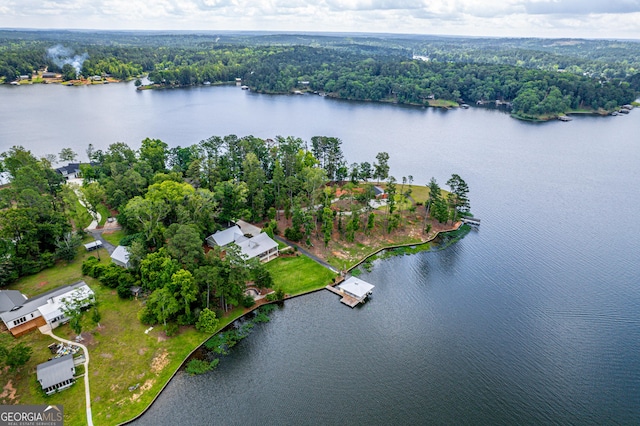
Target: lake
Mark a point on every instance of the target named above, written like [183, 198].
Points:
[535, 318]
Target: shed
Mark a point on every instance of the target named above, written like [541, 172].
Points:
[94, 245]
[120, 256]
[57, 374]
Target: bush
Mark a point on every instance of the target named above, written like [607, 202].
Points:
[128, 239]
[186, 319]
[147, 317]
[89, 265]
[171, 329]
[112, 276]
[247, 301]
[124, 290]
[293, 234]
[198, 366]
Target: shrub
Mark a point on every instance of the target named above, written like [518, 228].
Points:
[293, 234]
[89, 265]
[247, 301]
[124, 290]
[198, 366]
[147, 317]
[171, 329]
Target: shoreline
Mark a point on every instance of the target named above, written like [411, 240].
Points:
[455, 227]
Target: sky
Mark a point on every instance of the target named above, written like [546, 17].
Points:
[495, 18]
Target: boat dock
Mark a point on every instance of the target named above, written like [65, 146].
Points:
[353, 291]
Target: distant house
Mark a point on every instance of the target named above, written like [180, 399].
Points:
[50, 75]
[70, 171]
[57, 374]
[261, 247]
[120, 257]
[29, 314]
[379, 193]
[225, 237]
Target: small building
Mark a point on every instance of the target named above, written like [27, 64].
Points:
[44, 309]
[94, 245]
[225, 237]
[354, 291]
[56, 374]
[50, 75]
[379, 193]
[120, 257]
[261, 246]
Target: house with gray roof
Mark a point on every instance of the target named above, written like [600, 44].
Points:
[261, 246]
[45, 308]
[120, 256]
[56, 374]
[226, 237]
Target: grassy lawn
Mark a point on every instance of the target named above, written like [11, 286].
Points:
[351, 254]
[442, 103]
[114, 237]
[104, 214]
[299, 274]
[122, 356]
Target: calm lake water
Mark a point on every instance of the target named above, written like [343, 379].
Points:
[533, 319]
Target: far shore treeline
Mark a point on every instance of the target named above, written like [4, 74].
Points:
[536, 78]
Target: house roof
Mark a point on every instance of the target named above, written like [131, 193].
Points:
[227, 236]
[247, 228]
[254, 246]
[56, 371]
[31, 305]
[93, 244]
[378, 190]
[121, 254]
[356, 287]
[9, 299]
[69, 168]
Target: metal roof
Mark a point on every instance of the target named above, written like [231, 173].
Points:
[356, 287]
[32, 305]
[121, 254]
[56, 371]
[9, 299]
[227, 236]
[256, 245]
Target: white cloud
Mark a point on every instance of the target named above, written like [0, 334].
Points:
[542, 18]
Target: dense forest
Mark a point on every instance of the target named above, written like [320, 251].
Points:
[170, 199]
[536, 77]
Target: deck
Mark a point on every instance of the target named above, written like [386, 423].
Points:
[346, 299]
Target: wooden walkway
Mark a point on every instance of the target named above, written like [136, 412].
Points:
[346, 299]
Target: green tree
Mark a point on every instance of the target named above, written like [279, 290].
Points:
[186, 289]
[327, 225]
[163, 304]
[381, 168]
[154, 152]
[67, 154]
[207, 321]
[16, 356]
[185, 245]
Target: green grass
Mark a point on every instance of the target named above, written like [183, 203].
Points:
[114, 237]
[121, 354]
[299, 274]
[104, 214]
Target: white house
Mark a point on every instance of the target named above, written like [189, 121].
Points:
[29, 314]
[261, 246]
[226, 237]
[56, 374]
[120, 256]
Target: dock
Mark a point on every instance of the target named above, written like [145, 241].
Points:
[471, 221]
[346, 299]
[353, 291]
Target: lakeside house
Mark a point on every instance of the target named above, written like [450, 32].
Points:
[72, 170]
[250, 240]
[56, 374]
[120, 257]
[21, 315]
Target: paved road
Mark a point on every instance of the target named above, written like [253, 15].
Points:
[97, 234]
[46, 329]
[306, 253]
